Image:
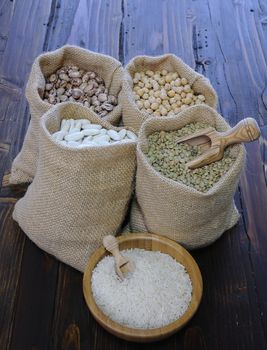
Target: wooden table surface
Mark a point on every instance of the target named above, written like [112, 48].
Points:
[41, 301]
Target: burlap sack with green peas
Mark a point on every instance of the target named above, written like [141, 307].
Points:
[171, 208]
[132, 115]
[77, 195]
[108, 68]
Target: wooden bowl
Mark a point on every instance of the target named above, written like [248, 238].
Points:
[153, 242]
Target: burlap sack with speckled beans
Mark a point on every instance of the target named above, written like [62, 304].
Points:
[77, 195]
[108, 68]
[172, 209]
[132, 116]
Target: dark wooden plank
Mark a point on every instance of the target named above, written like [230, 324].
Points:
[72, 324]
[226, 41]
[215, 39]
[11, 248]
[243, 48]
[27, 275]
[6, 10]
[254, 204]
[167, 29]
[93, 24]
[24, 40]
[35, 299]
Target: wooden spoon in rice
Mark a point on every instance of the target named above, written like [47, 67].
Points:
[123, 265]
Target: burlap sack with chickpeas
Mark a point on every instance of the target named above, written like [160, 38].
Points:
[132, 115]
[77, 195]
[108, 68]
[170, 208]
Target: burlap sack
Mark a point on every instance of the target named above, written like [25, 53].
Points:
[173, 209]
[77, 195]
[24, 165]
[137, 221]
[132, 116]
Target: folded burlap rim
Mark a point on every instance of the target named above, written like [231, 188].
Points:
[105, 66]
[154, 124]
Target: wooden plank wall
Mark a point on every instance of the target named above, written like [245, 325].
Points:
[41, 299]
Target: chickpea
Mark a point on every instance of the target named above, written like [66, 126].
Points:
[163, 111]
[163, 93]
[140, 92]
[146, 104]
[149, 73]
[168, 78]
[167, 87]
[171, 93]
[187, 88]
[139, 104]
[154, 106]
[201, 98]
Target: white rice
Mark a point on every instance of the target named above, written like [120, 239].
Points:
[157, 293]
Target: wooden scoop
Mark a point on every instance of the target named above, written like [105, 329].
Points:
[122, 264]
[212, 143]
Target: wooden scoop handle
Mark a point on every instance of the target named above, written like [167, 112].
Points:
[246, 130]
[111, 244]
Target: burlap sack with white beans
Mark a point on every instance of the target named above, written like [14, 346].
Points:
[132, 116]
[77, 195]
[172, 209]
[24, 165]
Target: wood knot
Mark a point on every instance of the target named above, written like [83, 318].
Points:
[71, 339]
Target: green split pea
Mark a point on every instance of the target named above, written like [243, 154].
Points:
[170, 158]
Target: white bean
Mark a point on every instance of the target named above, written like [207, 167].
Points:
[92, 144]
[76, 136]
[72, 124]
[59, 135]
[74, 130]
[92, 126]
[78, 124]
[73, 144]
[87, 139]
[88, 132]
[80, 133]
[98, 138]
[85, 122]
[65, 125]
[103, 131]
[131, 135]
[114, 135]
[102, 143]
[122, 133]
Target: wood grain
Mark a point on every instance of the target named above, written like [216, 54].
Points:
[11, 247]
[224, 40]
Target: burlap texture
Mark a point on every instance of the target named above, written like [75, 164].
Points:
[24, 165]
[77, 195]
[136, 222]
[132, 116]
[175, 210]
